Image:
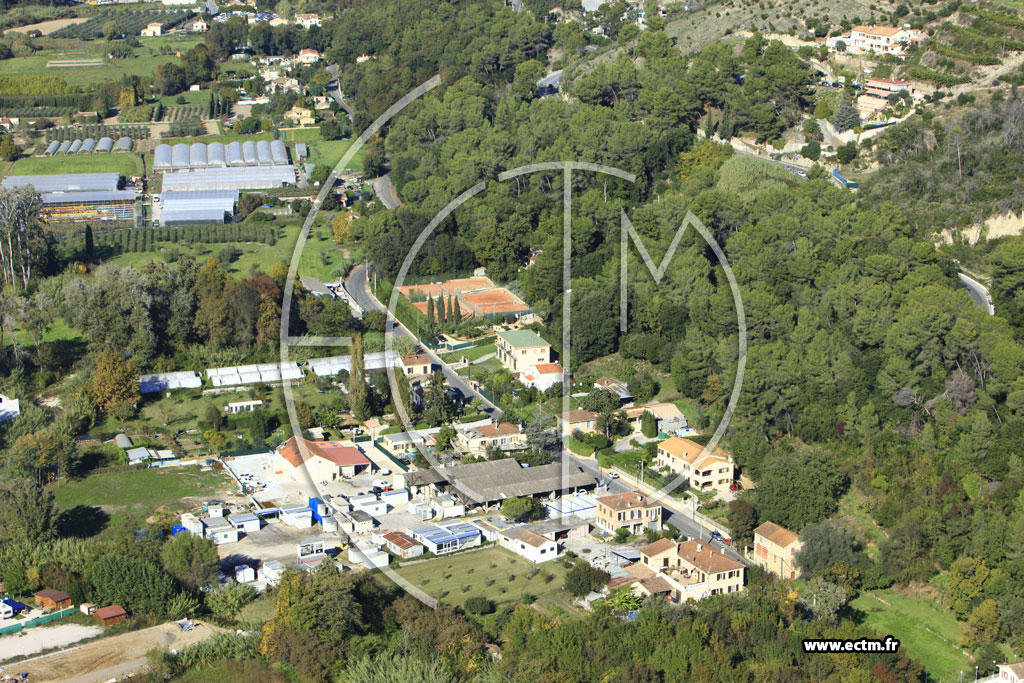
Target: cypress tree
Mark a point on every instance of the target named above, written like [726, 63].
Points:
[430, 310]
[358, 393]
[89, 247]
[456, 311]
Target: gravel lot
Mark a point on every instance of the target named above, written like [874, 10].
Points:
[31, 640]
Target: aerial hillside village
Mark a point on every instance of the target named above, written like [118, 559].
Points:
[234, 372]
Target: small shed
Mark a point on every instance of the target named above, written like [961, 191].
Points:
[297, 515]
[244, 573]
[271, 571]
[110, 615]
[369, 504]
[52, 599]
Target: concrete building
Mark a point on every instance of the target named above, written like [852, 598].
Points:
[323, 460]
[528, 544]
[242, 407]
[449, 537]
[504, 436]
[219, 530]
[520, 350]
[704, 471]
[403, 545]
[775, 549]
[582, 420]
[630, 510]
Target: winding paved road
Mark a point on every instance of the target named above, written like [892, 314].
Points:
[358, 288]
[383, 188]
[979, 293]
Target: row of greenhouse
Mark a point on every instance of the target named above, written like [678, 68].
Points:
[219, 155]
[88, 146]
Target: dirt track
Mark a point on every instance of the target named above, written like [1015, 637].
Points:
[112, 657]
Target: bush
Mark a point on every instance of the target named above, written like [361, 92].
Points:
[478, 604]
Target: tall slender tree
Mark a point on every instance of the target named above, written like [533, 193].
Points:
[358, 392]
[430, 311]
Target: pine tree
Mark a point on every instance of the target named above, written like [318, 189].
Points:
[358, 392]
[649, 425]
[846, 116]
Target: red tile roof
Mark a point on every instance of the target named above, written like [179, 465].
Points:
[334, 451]
[109, 612]
[402, 540]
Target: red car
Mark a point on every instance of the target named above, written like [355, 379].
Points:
[735, 486]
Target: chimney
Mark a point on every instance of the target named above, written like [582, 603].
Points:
[700, 546]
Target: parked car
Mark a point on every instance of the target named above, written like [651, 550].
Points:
[382, 484]
[735, 486]
[613, 475]
[385, 472]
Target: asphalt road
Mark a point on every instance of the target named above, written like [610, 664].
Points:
[383, 188]
[336, 92]
[358, 288]
[676, 516]
[979, 293]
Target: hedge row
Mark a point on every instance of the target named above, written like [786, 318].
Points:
[97, 131]
[141, 240]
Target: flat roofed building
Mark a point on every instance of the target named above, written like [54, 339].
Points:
[528, 544]
[65, 182]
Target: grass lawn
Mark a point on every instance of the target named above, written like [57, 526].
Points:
[311, 134]
[471, 353]
[329, 153]
[142, 64]
[58, 331]
[926, 630]
[125, 164]
[854, 516]
[140, 490]
[468, 574]
[256, 253]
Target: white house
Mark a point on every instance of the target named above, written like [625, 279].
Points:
[308, 56]
[542, 376]
[528, 544]
[307, 20]
[152, 30]
[1011, 672]
[245, 522]
[402, 544]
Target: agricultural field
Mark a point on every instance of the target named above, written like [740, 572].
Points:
[926, 630]
[97, 131]
[182, 112]
[494, 573]
[329, 153]
[124, 164]
[93, 68]
[255, 254]
[49, 26]
[128, 23]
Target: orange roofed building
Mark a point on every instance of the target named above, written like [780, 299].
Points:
[704, 471]
[775, 549]
[694, 570]
[324, 460]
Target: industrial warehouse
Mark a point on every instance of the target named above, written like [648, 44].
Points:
[79, 197]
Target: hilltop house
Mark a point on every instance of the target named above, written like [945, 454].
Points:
[775, 549]
[877, 40]
[704, 472]
[308, 56]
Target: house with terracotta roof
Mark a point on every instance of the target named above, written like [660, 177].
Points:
[520, 350]
[630, 510]
[528, 544]
[308, 56]
[504, 436]
[403, 545]
[775, 549]
[306, 20]
[617, 387]
[323, 460]
[415, 364]
[693, 569]
[542, 376]
[670, 419]
[570, 421]
[704, 471]
[877, 40]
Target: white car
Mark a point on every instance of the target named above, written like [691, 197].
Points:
[385, 472]
[381, 483]
[613, 475]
